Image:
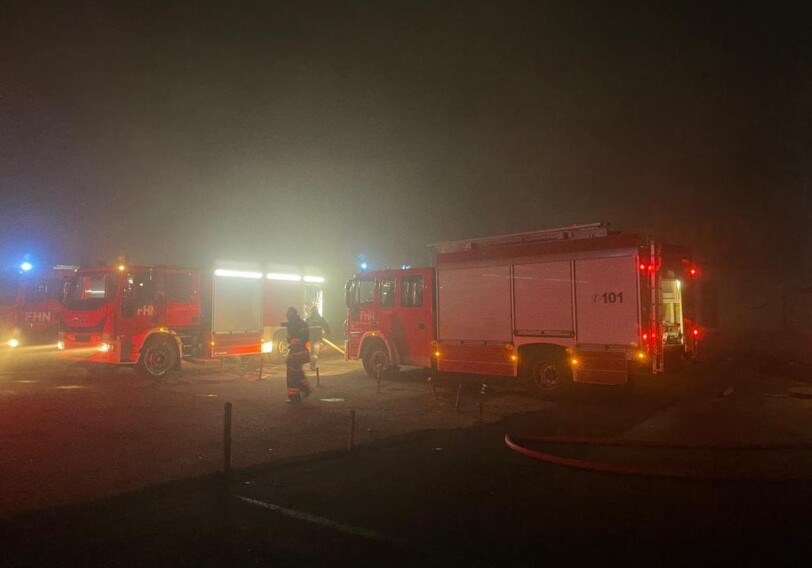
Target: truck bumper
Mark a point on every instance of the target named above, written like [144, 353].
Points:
[92, 352]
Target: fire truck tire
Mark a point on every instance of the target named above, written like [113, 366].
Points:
[376, 357]
[547, 374]
[280, 349]
[158, 358]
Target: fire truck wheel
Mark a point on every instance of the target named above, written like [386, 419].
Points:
[547, 374]
[280, 349]
[158, 357]
[375, 359]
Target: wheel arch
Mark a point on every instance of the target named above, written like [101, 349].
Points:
[155, 332]
[528, 351]
[371, 338]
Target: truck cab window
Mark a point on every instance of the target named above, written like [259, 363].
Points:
[364, 292]
[180, 288]
[411, 291]
[387, 292]
[36, 292]
[141, 288]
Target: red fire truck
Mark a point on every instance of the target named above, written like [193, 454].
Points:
[29, 305]
[152, 317]
[579, 303]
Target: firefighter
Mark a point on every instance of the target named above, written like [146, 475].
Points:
[298, 336]
[319, 328]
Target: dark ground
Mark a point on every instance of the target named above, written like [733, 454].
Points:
[459, 497]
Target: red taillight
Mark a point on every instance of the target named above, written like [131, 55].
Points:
[696, 332]
[650, 267]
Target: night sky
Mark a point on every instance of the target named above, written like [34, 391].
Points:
[310, 132]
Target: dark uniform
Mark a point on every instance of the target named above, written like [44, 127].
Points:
[298, 336]
[318, 328]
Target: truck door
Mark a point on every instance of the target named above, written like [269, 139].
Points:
[181, 302]
[607, 301]
[415, 326]
[360, 312]
[138, 304]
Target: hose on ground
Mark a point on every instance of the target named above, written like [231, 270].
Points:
[519, 445]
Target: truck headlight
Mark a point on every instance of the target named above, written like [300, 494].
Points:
[105, 347]
[60, 344]
[267, 347]
[13, 342]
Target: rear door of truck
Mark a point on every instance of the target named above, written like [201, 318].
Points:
[607, 300]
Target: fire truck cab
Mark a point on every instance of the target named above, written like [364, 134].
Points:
[576, 304]
[30, 311]
[152, 317]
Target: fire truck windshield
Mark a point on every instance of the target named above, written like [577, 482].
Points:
[8, 291]
[88, 291]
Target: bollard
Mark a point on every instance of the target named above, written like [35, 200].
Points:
[222, 364]
[378, 373]
[318, 378]
[351, 438]
[479, 412]
[227, 440]
[261, 360]
[459, 393]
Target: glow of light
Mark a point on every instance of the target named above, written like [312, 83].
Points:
[574, 362]
[13, 342]
[280, 276]
[237, 273]
[105, 347]
[679, 284]
[641, 355]
[26, 266]
[60, 344]
[437, 354]
[267, 347]
[316, 279]
[364, 266]
[695, 331]
[514, 357]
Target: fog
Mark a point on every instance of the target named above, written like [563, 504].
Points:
[309, 133]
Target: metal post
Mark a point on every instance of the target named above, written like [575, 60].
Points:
[227, 440]
[459, 393]
[318, 378]
[482, 393]
[222, 363]
[261, 360]
[378, 373]
[351, 438]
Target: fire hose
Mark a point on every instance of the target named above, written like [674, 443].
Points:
[519, 445]
[333, 345]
